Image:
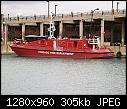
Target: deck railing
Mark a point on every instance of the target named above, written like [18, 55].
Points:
[94, 41]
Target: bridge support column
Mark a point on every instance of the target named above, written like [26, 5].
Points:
[123, 33]
[41, 29]
[81, 29]
[102, 32]
[2, 30]
[2, 26]
[60, 29]
[23, 31]
[5, 34]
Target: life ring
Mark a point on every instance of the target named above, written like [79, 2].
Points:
[118, 54]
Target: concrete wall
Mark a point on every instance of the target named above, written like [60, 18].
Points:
[116, 49]
[5, 49]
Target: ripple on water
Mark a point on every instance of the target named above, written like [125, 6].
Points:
[30, 75]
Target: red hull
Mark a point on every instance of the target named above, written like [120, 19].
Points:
[75, 48]
[44, 53]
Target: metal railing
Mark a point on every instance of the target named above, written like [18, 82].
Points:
[94, 40]
[78, 14]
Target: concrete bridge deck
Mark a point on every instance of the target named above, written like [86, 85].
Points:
[106, 15]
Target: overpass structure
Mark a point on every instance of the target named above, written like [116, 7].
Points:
[110, 25]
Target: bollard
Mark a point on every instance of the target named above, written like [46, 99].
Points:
[112, 11]
[18, 18]
[35, 17]
[102, 13]
[123, 11]
[72, 14]
[81, 14]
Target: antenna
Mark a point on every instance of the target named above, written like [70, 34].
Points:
[52, 28]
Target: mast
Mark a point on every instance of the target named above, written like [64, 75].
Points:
[52, 28]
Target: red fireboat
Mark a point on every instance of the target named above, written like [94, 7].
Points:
[45, 46]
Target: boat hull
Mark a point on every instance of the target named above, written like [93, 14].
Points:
[49, 53]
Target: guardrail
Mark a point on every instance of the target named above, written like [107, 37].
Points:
[78, 14]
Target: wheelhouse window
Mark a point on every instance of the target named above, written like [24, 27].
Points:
[31, 38]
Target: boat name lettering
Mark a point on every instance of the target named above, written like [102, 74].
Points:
[60, 53]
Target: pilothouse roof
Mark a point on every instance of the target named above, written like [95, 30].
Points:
[35, 36]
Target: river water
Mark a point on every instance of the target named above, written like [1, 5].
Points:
[62, 76]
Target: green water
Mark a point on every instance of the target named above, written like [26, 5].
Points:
[54, 76]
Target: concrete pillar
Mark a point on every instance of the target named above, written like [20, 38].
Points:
[2, 30]
[5, 34]
[41, 29]
[60, 29]
[123, 33]
[81, 29]
[23, 31]
[102, 32]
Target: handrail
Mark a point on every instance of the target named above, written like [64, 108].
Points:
[94, 41]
